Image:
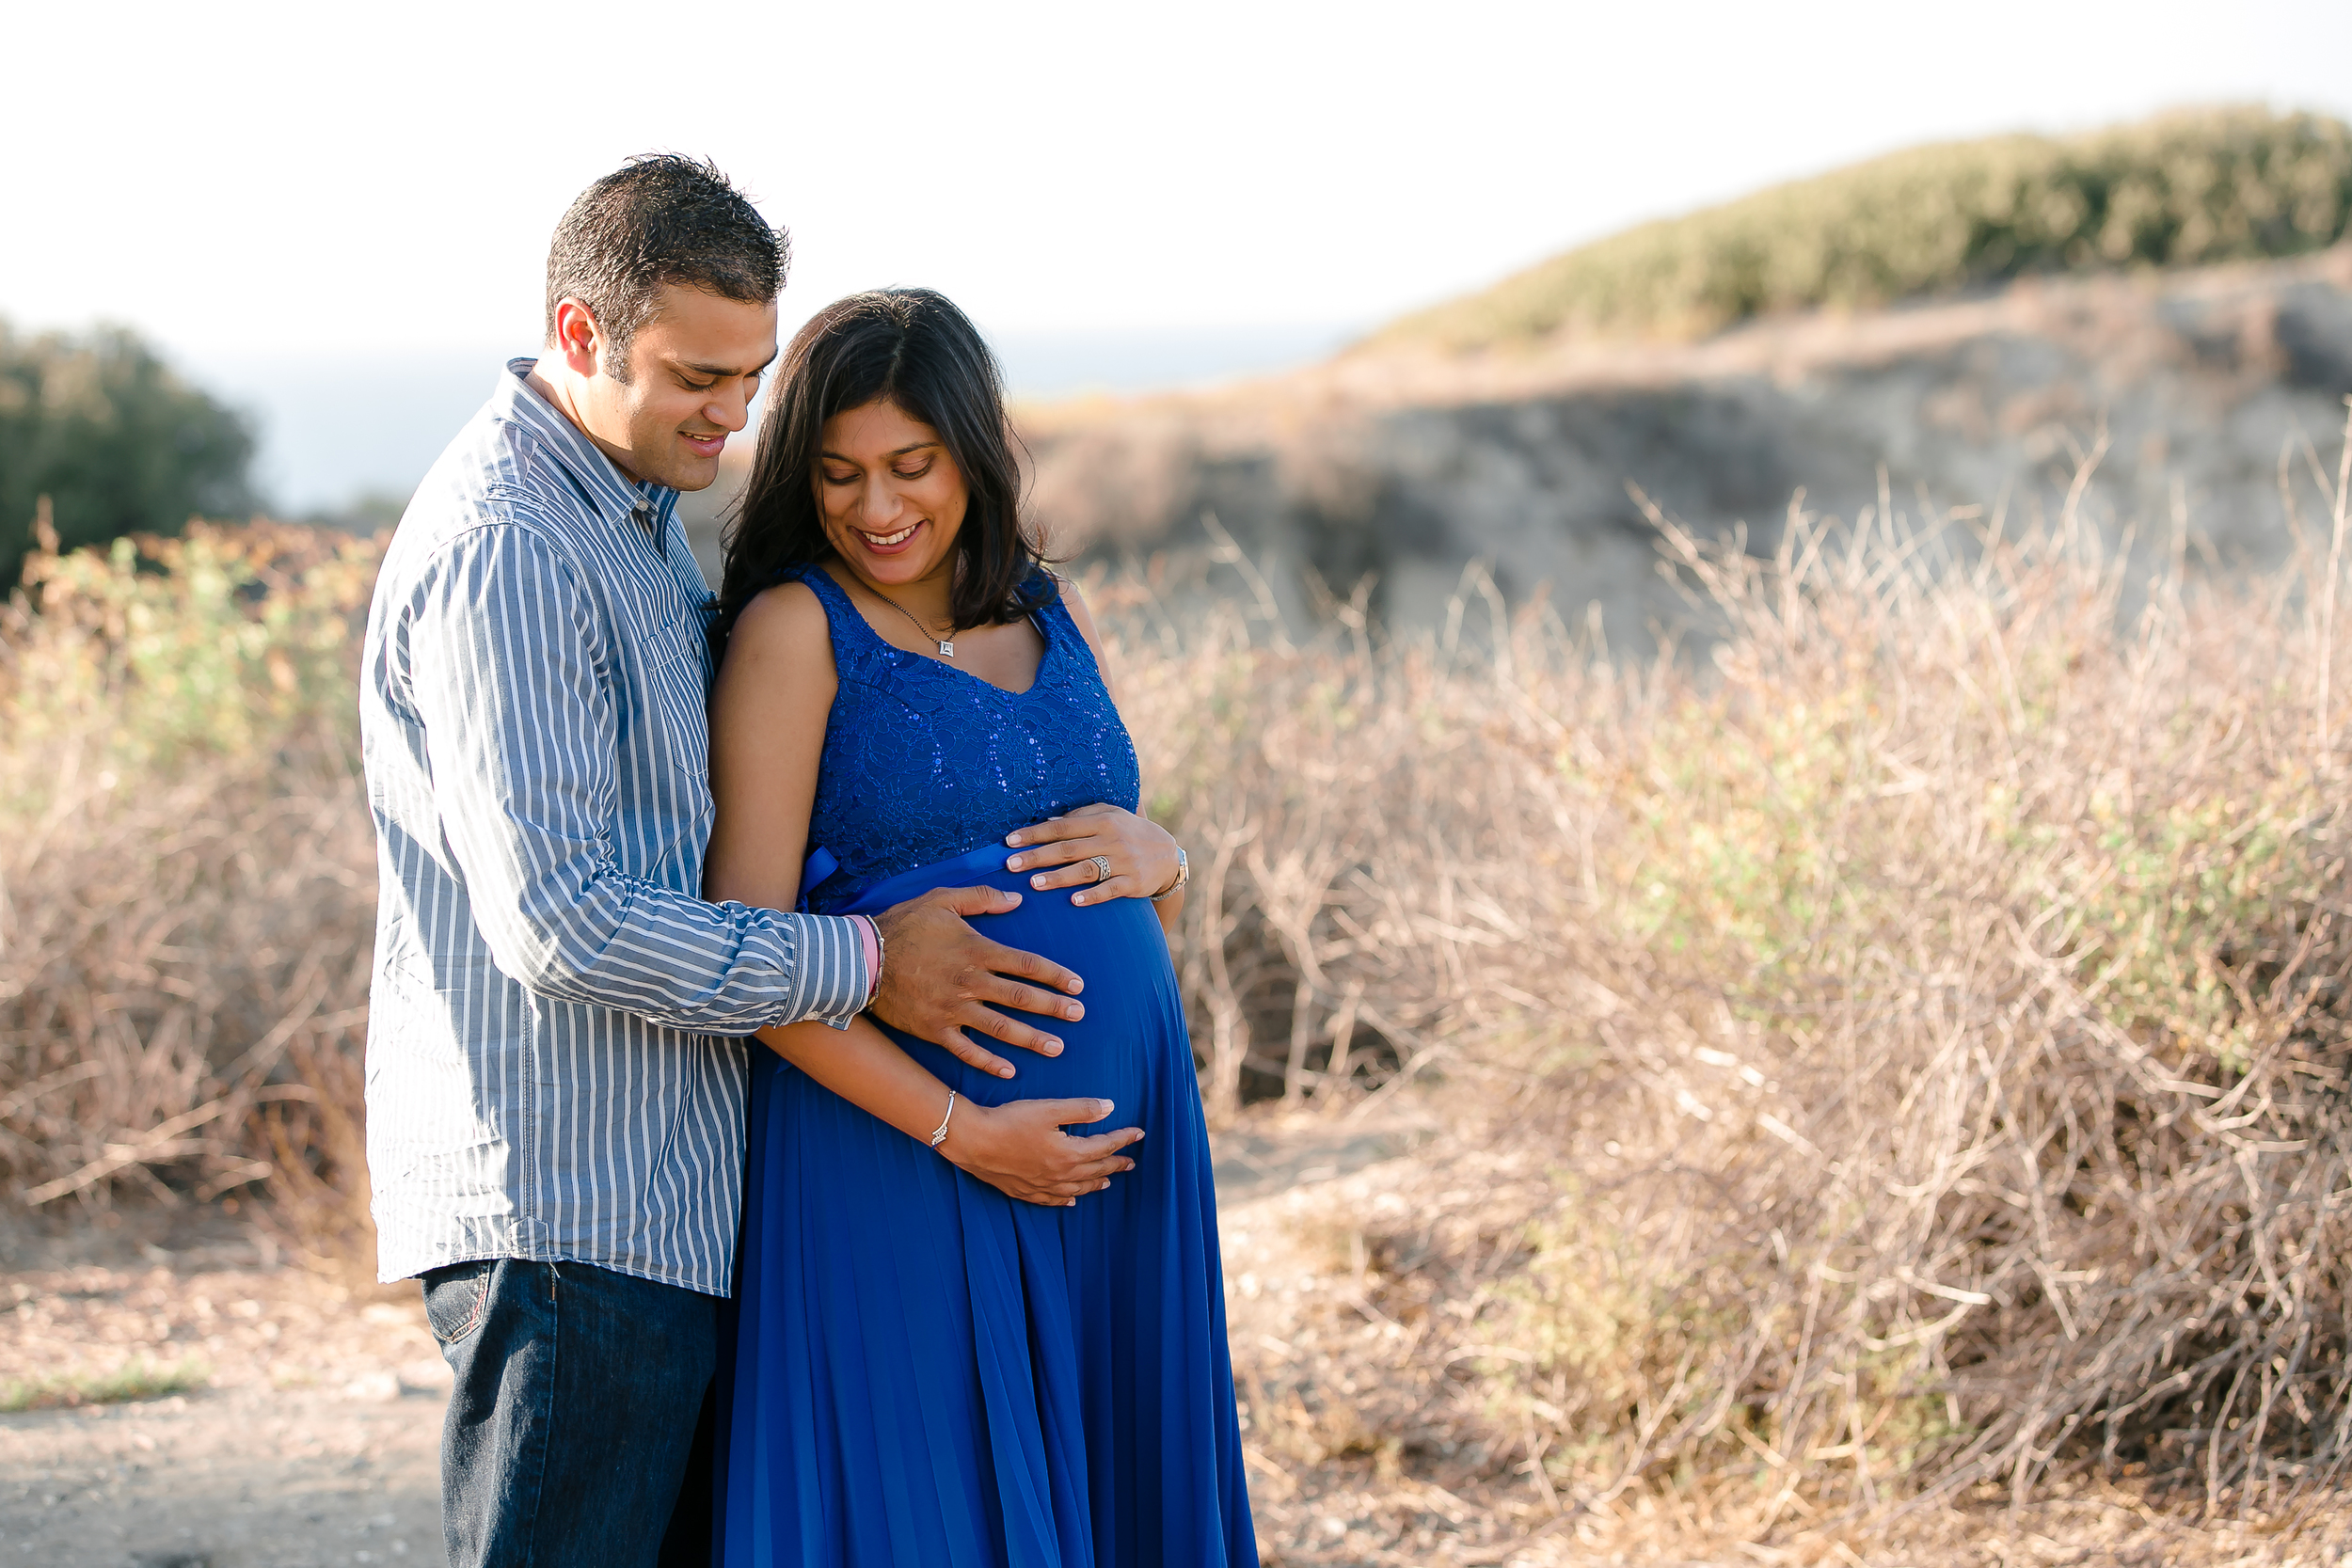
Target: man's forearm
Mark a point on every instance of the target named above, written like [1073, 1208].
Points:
[726, 969]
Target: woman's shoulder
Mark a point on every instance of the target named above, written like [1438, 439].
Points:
[786, 620]
[777, 676]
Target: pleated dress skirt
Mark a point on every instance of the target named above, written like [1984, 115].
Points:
[923, 1370]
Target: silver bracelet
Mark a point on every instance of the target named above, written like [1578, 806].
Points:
[941, 1136]
[1184, 875]
[880, 952]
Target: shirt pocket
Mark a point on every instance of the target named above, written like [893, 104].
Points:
[677, 713]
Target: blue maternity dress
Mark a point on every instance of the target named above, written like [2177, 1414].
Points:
[926, 1372]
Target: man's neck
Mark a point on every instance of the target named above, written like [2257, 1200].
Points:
[566, 393]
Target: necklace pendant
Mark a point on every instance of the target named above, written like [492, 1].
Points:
[946, 650]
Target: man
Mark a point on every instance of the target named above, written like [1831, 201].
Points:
[555, 1064]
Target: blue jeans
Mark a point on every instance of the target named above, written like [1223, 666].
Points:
[574, 1418]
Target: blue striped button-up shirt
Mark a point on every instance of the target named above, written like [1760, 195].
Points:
[549, 1075]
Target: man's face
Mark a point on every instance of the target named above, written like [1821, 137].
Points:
[693, 370]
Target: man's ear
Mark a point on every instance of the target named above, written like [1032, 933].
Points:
[579, 341]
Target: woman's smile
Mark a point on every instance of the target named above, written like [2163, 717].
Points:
[887, 544]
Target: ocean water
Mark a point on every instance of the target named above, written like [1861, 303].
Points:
[338, 429]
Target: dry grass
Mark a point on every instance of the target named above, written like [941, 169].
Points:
[1906, 1056]
[187, 875]
[1900, 1054]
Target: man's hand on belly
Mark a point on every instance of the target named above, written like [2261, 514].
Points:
[941, 977]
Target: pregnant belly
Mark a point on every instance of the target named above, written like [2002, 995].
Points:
[1133, 1035]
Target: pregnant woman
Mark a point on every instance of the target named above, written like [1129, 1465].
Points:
[929, 1369]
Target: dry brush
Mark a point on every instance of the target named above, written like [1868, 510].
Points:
[1901, 1049]
[1898, 1047]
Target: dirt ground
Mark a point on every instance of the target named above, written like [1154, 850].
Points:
[312, 1438]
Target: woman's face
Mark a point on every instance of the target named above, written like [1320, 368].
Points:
[891, 498]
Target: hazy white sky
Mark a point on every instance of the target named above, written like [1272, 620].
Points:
[338, 214]
[353, 180]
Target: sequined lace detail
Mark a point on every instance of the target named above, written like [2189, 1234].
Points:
[924, 760]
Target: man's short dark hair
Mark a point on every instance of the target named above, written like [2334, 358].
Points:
[658, 219]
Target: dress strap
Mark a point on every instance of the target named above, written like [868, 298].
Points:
[828, 592]
[840, 612]
[1058, 625]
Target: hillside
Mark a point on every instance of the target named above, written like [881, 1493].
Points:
[1406, 462]
[1958, 323]
[2189, 189]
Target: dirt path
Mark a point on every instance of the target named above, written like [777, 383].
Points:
[309, 1437]
[312, 1438]
[234, 1478]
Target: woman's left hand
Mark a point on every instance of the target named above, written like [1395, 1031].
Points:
[1062, 851]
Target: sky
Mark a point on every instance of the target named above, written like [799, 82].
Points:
[337, 215]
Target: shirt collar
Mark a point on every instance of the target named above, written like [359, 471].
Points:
[609, 490]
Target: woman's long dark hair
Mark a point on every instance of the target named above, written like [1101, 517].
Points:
[913, 348]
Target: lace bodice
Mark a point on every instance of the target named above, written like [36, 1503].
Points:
[924, 760]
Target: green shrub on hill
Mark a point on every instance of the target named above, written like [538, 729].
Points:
[117, 441]
[2185, 188]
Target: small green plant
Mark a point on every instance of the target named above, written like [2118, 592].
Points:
[137, 1379]
[226, 644]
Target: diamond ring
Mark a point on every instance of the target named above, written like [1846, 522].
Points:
[1102, 868]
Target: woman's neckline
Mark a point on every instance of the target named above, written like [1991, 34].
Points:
[1045, 635]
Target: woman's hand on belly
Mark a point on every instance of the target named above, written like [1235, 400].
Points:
[1063, 849]
[1019, 1148]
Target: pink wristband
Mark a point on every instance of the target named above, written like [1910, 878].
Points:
[871, 945]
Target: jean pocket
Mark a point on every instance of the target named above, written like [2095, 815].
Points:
[454, 1296]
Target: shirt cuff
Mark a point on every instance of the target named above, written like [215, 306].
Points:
[869, 942]
[835, 968]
